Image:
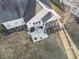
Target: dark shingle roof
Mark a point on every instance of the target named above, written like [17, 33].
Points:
[47, 17]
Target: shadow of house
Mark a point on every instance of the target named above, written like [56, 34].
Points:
[30, 10]
[11, 10]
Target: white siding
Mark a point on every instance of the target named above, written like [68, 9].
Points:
[14, 23]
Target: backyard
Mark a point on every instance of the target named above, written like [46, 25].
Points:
[19, 45]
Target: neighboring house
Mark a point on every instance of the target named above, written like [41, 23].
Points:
[72, 5]
[37, 25]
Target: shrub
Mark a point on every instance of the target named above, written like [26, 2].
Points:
[2, 28]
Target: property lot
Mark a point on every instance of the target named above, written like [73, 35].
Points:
[19, 46]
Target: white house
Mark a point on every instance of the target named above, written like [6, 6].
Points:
[73, 6]
[22, 12]
[36, 26]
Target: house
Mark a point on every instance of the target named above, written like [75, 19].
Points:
[37, 25]
[18, 11]
[72, 5]
[15, 13]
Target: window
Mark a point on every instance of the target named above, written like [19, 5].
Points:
[39, 22]
[35, 38]
[78, 13]
[41, 27]
[32, 29]
[33, 23]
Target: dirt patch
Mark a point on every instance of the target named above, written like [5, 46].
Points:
[19, 46]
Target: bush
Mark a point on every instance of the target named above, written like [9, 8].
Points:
[2, 28]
